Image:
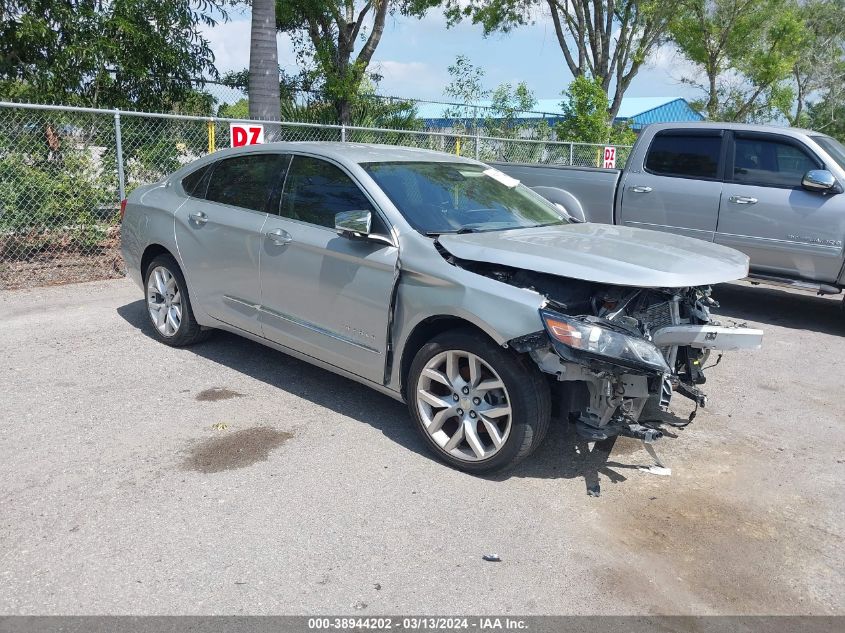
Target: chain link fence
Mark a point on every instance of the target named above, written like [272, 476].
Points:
[63, 172]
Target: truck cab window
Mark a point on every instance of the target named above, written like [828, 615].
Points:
[768, 162]
[834, 148]
[684, 155]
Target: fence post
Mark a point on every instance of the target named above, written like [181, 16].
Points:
[477, 142]
[118, 146]
[571, 153]
[343, 133]
[212, 136]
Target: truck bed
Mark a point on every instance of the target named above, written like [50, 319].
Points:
[593, 188]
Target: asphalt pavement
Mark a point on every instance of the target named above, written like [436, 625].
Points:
[228, 478]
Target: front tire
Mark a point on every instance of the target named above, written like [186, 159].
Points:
[168, 304]
[479, 408]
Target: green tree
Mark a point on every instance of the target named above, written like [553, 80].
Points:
[123, 53]
[828, 116]
[584, 109]
[237, 110]
[326, 33]
[264, 101]
[819, 70]
[746, 50]
[466, 86]
[499, 117]
[609, 40]
[303, 103]
[508, 105]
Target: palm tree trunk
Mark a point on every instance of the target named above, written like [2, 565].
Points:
[264, 63]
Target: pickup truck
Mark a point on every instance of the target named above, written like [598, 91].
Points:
[776, 194]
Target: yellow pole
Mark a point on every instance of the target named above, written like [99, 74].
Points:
[458, 145]
[211, 139]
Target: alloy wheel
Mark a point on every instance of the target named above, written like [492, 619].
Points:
[164, 301]
[464, 405]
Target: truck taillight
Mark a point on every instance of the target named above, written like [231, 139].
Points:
[122, 209]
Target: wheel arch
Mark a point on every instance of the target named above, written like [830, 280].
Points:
[150, 253]
[426, 330]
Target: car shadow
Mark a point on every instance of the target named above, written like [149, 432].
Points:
[784, 308]
[562, 455]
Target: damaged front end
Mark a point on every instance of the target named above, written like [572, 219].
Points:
[625, 315]
[619, 353]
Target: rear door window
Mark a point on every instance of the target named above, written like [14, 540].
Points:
[196, 182]
[246, 181]
[685, 155]
[770, 162]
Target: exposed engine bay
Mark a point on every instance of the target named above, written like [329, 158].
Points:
[619, 353]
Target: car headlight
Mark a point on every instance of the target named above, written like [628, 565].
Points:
[584, 339]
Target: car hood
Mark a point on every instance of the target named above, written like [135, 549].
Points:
[617, 255]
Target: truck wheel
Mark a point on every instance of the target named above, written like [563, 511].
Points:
[168, 304]
[480, 408]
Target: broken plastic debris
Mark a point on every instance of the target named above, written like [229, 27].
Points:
[492, 558]
[657, 470]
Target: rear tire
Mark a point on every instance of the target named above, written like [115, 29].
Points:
[168, 305]
[480, 408]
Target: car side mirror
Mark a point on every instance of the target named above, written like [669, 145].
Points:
[576, 215]
[820, 180]
[564, 202]
[353, 223]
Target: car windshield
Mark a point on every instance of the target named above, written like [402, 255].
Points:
[440, 198]
[834, 148]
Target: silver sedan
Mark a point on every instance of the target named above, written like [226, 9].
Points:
[437, 280]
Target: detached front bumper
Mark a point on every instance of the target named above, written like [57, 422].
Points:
[708, 337]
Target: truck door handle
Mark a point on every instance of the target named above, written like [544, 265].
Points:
[641, 189]
[279, 237]
[743, 200]
[199, 217]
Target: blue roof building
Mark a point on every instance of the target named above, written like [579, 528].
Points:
[639, 111]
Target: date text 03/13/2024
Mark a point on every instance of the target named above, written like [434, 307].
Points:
[419, 623]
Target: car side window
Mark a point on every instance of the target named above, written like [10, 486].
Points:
[246, 181]
[684, 155]
[196, 182]
[316, 190]
[769, 162]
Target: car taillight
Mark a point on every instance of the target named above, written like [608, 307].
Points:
[122, 209]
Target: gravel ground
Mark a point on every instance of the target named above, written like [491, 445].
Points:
[229, 478]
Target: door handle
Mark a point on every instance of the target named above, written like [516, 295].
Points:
[199, 217]
[743, 200]
[279, 237]
[641, 189]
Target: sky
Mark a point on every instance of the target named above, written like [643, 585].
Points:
[413, 56]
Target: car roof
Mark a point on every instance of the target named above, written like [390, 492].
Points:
[725, 125]
[350, 152]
